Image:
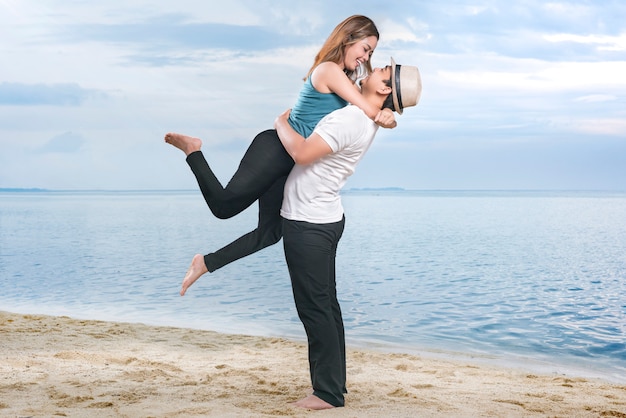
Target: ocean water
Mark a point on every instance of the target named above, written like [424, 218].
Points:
[536, 279]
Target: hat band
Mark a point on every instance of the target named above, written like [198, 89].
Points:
[398, 94]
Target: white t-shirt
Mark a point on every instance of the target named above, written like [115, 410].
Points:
[312, 191]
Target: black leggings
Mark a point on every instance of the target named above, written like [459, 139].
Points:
[261, 176]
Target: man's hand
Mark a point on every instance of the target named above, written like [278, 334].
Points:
[386, 119]
[302, 150]
[282, 118]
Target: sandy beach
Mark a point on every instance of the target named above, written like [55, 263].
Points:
[59, 366]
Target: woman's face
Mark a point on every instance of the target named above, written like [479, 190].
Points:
[359, 52]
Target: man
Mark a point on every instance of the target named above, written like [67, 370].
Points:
[313, 219]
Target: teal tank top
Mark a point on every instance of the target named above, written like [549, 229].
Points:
[311, 107]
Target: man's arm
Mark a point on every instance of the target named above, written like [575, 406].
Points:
[302, 151]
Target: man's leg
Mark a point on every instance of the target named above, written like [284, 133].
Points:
[338, 317]
[310, 251]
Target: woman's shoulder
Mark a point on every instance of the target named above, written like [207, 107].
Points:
[327, 67]
[324, 74]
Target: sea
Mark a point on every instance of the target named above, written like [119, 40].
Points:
[530, 279]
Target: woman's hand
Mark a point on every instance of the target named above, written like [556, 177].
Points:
[386, 119]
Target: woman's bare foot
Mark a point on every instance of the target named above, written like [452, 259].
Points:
[313, 402]
[186, 144]
[196, 269]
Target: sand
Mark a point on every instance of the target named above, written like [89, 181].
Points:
[64, 367]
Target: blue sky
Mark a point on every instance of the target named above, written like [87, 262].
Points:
[517, 95]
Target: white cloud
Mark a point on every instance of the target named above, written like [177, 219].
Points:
[566, 10]
[596, 98]
[66, 143]
[492, 72]
[60, 12]
[475, 10]
[603, 42]
[534, 75]
[599, 126]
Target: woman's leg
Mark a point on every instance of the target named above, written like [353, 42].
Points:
[264, 162]
[268, 232]
[310, 251]
[261, 175]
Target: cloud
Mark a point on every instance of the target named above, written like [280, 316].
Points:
[544, 77]
[66, 143]
[600, 126]
[65, 94]
[496, 75]
[602, 42]
[596, 98]
[409, 31]
[172, 32]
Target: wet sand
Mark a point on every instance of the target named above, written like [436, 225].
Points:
[59, 366]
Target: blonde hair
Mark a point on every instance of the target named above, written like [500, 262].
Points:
[350, 31]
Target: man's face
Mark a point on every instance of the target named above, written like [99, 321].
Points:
[376, 80]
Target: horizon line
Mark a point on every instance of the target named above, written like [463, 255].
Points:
[353, 189]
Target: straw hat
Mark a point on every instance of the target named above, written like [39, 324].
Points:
[406, 85]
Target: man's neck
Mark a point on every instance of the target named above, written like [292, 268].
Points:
[375, 99]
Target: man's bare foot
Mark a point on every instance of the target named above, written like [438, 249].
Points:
[313, 402]
[196, 269]
[186, 144]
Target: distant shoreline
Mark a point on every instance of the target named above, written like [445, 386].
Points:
[345, 191]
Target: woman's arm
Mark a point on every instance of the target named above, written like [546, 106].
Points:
[302, 151]
[329, 78]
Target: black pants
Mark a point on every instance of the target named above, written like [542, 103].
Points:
[310, 251]
[261, 176]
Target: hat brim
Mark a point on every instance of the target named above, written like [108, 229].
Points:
[395, 86]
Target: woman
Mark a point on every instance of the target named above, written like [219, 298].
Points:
[329, 85]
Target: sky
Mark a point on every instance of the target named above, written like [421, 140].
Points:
[516, 95]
